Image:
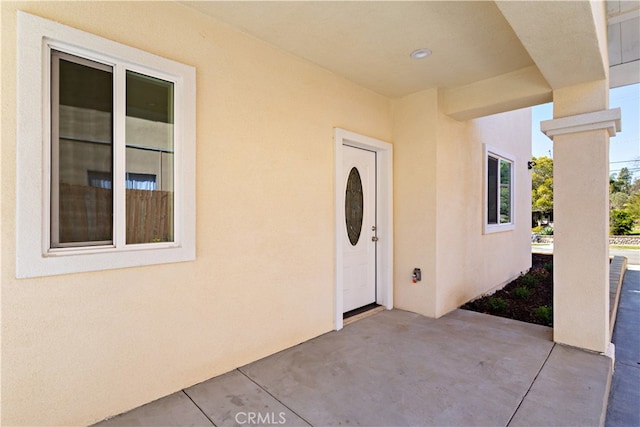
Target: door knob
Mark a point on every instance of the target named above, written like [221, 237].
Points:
[374, 239]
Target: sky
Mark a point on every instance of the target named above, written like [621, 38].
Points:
[624, 147]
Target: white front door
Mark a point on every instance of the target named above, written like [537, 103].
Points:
[359, 228]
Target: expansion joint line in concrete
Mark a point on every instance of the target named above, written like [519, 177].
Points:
[199, 408]
[531, 386]
[267, 391]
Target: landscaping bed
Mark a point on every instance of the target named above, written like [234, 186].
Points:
[528, 298]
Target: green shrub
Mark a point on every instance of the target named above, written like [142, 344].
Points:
[521, 292]
[529, 280]
[545, 314]
[497, 304]
[546, 231]
[540, 274]
[534, 277]
[620, 223]
[549, 267]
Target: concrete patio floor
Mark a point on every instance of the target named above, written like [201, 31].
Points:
[397, 368]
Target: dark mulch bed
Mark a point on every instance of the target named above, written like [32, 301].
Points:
[523, 304]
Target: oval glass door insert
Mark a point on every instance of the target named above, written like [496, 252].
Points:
[354, 206]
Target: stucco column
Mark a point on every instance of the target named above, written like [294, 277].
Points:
[580, 132]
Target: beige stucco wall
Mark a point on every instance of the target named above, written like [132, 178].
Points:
[415, 119]
[439, 175]
[471, 263]
[80, 347]
[77, 348]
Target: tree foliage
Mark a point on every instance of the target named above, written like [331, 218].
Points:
[620, 183]
[633, 205]
[618, 200]
[624, 195]
[542, 185]
[624, 202]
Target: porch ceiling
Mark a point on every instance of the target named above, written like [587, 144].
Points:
[473, 43]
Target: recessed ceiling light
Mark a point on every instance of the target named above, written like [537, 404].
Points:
[420, 53]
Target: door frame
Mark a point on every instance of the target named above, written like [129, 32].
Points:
[384, 213]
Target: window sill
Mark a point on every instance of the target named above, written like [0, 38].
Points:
[494, 228]
[82, 261]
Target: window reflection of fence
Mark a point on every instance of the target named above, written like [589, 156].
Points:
[149, 216]
[86, 214]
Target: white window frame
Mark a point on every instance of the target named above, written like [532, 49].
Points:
[34, 255]
[490, 151]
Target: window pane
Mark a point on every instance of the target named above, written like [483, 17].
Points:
[82, 152]
[149, 159]
[492, 190]
[354, 206]
[505, 192]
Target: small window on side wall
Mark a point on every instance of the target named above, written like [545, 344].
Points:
[499, 191]
[114, 130]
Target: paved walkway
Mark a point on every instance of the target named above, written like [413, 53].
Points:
[397, 368]
[624, 401]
